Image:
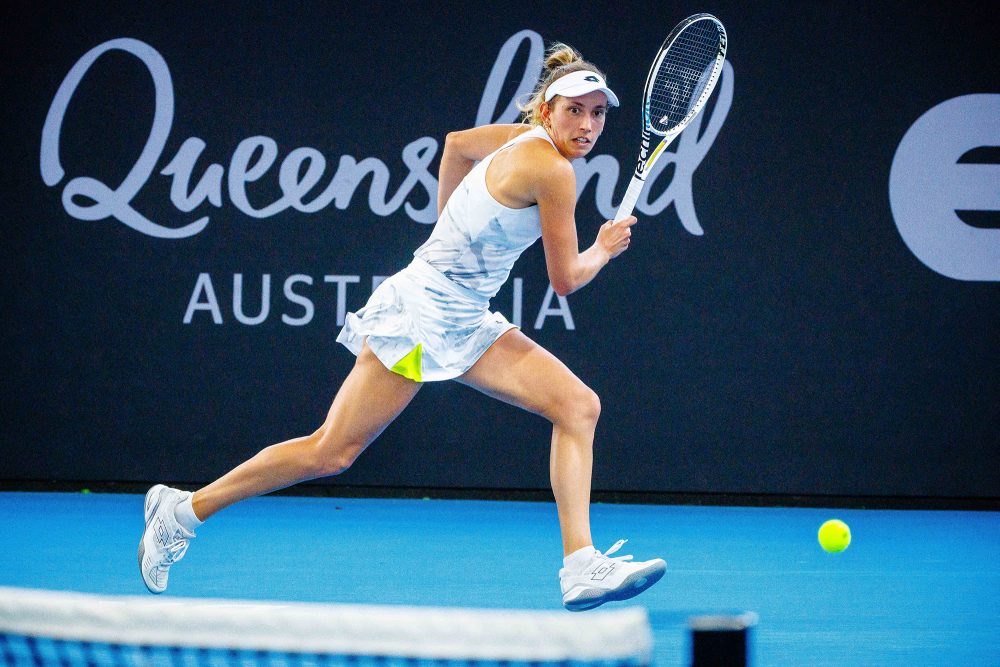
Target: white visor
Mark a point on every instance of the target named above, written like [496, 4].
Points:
[579, 83]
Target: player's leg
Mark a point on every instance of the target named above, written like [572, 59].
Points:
[367, 402]
[518, 371]
[369, 399]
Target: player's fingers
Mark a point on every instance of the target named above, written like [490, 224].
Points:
[625, 222]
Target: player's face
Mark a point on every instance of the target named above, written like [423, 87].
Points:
[575, 123]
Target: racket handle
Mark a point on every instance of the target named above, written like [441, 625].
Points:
[631, 197]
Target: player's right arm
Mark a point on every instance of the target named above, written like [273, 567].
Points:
[553, 185]
[462, 149]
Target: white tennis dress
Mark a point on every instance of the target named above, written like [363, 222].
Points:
[431, 321]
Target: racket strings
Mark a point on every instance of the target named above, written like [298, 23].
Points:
[688, 68]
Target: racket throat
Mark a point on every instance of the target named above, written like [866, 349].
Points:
[645, 150]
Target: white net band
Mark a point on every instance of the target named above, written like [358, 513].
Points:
[622, 636]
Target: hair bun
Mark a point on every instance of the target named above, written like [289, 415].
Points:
[560, 54]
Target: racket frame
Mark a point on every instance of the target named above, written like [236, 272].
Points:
[648, 158]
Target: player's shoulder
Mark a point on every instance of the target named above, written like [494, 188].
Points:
[507, 133]
[517, 129]
[540, 155]
[543, 168]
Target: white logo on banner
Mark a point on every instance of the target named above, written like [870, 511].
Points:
[927, 187]
[86, 197]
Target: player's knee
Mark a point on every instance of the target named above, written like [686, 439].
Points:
[330, 456]
[590, 405]
[327, 464]
[580, 407]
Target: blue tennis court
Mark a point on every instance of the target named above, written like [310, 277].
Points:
[914, 588]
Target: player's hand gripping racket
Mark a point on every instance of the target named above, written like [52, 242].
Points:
[680, 81]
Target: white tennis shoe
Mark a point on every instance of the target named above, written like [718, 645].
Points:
[164, 541]
[606, 579]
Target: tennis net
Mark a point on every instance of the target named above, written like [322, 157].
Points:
[68, 629]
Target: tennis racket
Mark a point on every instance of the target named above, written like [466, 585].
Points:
[679, 83]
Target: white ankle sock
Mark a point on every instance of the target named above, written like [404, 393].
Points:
[579, 558]
[184, 513]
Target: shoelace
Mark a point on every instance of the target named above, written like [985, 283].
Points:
[173, 553]
[614, 548]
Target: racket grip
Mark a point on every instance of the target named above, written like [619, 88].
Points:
[631, 197]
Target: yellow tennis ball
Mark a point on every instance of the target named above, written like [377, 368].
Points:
[834, 536]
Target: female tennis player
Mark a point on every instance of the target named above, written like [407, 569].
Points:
[431, 322]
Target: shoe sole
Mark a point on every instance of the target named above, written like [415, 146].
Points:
[150, 504]
[633, 584]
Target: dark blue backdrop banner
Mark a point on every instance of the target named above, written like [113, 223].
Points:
[196, 193]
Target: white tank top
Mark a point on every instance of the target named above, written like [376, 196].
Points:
[477, 239]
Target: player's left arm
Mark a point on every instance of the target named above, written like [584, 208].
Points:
[462, 149]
